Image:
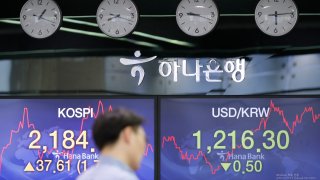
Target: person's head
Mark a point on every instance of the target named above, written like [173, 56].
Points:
[121, 130]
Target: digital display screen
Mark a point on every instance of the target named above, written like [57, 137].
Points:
[240, 138]
[52, 138]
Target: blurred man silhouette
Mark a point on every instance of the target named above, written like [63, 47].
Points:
[121, 139]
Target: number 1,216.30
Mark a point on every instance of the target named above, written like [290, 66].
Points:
[270, 139]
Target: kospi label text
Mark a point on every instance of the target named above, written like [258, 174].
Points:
[75, 112]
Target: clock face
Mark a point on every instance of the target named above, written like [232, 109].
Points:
[40, 18]
[197, 17]
[117, 18]
[276, 17]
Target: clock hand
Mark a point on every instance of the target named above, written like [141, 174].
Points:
[114, 16]
[44, 11]
[192, 14]
[280, 14]
[47, 20]
[44, 19]
[118, 16]
[125, 18]
[198, 15]
[276, 17]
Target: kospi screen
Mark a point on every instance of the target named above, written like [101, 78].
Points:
[52, 138]
[240, 138]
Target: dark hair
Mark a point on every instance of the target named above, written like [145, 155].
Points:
[108, 126]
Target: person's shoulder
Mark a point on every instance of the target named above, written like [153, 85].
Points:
[88, 174]
[106, 172]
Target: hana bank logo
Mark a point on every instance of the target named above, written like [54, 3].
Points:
[137, 69]
[213, 70]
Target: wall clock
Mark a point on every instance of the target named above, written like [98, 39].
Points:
[276, 17]
[40, 18]
[197, 17]
[117, 18]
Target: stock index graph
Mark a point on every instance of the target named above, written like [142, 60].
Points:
[38, 141]
[225, 138]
